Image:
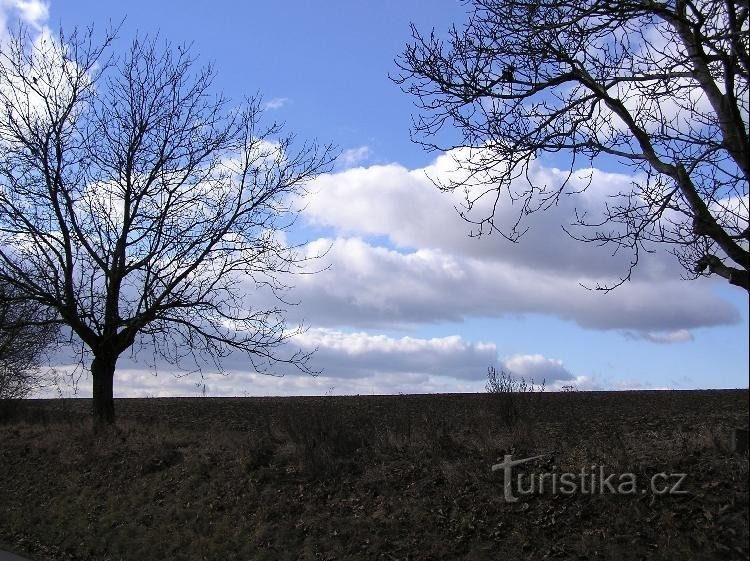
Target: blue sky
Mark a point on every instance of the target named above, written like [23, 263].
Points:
[410, 303]
[327, 62]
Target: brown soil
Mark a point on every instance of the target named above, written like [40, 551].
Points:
[373, 477]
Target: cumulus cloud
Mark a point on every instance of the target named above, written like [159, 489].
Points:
[344, 354]
[32, 13]
[351, 363]
[405, 207]
[538, 368]
[44, 58]
[400, 257]
[353, 157]
[360, 354]
[377, 287]
[429, 270]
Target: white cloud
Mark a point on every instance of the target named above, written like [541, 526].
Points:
[31, 12]
[352, 363]
[538, 368]
[578, 383]
[360, 355]
[435, 272]
[41, 80]
[406, 207]
[663, 337]
[368, 287]
[353, 157]
[276, 103]
[138, 383]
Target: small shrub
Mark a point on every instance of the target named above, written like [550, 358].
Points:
[322, 444]
[260, 453]
[507, 389]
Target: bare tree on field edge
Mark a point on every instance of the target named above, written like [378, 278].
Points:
[142, 209]
[26, 333]
[660, 87]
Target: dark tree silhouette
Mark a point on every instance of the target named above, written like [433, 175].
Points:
[26, 332]
[141, 208]
[661, 87]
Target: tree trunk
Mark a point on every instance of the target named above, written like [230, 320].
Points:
[103, 373]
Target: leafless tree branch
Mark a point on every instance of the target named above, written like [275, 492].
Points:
[661, 87]
[144, 208]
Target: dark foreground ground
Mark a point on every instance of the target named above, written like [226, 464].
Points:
[382, 477]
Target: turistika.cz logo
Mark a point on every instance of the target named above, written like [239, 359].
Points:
[588, 481]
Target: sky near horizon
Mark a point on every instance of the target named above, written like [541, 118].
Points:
[410, 303]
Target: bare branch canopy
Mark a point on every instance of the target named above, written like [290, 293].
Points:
[659, 87]
[140, 207]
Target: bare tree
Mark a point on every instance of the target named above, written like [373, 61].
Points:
[145, 211]
[26, 332]
[661, 87]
